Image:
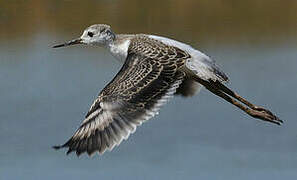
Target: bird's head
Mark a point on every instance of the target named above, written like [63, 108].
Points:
[97, 34]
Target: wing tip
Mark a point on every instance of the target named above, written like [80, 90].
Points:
[57, 147]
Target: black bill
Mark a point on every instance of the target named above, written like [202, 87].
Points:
[69, 43]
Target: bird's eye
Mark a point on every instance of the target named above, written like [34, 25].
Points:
[90, 34]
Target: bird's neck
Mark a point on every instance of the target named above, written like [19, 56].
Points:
[119, 46]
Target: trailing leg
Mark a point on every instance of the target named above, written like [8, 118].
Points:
[255, 111]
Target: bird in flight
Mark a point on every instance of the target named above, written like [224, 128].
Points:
[154, 69]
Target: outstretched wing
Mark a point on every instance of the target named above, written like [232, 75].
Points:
[135, 95]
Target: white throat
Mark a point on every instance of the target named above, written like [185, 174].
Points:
[120, 49]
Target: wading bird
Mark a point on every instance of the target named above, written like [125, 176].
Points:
[154, 69]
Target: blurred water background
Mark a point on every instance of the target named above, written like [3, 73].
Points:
[45, 93]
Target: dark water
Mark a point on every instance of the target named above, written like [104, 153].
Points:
[45, 93]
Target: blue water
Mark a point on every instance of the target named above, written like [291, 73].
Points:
[45, 94]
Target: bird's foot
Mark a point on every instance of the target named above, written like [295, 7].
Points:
[264, 114]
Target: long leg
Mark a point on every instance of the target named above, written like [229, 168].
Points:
[238, 97]
[241, 99]
[255, 111]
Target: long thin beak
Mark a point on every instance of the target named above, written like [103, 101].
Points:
[69, 43]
